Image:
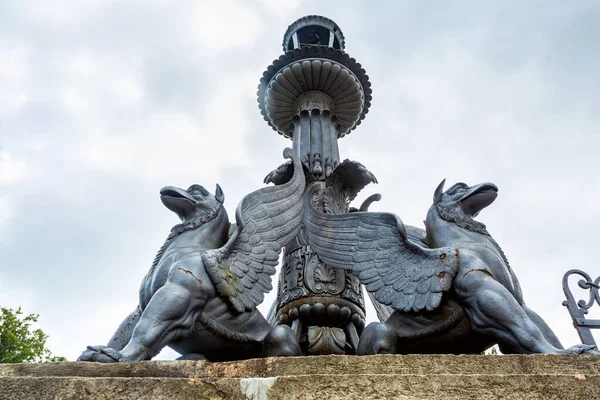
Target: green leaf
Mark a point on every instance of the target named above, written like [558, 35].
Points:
[19, 342]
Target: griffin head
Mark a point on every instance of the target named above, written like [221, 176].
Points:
[193, 204]
[461, 203]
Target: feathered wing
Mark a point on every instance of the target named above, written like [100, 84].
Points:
[398, 272]
[415, 235]
[267, 220]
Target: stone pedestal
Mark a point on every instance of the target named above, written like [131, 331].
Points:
[322, 377]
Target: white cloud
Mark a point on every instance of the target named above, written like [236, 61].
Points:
[167, 144]
[283, 9]
[65, 12]
[14, 71]
[224, 25]
[13, 295]
[97, 84]
[11, 170]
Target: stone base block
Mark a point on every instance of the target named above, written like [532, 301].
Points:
[324, 377]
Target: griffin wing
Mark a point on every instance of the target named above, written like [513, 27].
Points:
[267, 220]
[398, 272]
[415, 235]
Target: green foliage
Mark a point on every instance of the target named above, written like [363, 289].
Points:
[19, 342]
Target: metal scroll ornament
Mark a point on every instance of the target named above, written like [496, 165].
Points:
[579, 309]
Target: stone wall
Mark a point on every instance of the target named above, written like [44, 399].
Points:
[326, 377]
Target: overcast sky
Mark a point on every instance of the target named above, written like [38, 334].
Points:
[104, 102]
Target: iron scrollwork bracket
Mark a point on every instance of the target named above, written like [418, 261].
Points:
[579, 309]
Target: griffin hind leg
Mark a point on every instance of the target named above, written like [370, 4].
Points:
[170, 314]
[543, 327]
[494, 311]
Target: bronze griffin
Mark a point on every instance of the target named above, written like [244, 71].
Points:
[201, 293]
[449, 289]
[446, 289]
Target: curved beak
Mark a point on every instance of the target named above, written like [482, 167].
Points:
[479, 197]
[175, 192]
[177, 200]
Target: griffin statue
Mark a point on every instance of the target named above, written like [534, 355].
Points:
[201, 292]
[446, 289]
[449, 289]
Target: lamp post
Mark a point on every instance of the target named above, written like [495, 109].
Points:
[315, 94]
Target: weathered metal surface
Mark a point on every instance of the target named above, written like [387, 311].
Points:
[201, 292]
[454, 293]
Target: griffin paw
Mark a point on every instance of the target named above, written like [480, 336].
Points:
[102, 354]
[581, 349]
[193, 357]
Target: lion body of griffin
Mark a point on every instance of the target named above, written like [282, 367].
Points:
[449, 289]
[201, 292]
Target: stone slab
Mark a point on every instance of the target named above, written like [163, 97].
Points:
[325, 377]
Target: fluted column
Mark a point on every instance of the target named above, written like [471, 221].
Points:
[315, 141]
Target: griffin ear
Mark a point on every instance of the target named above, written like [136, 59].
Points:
[219, 194]
[437, 196]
